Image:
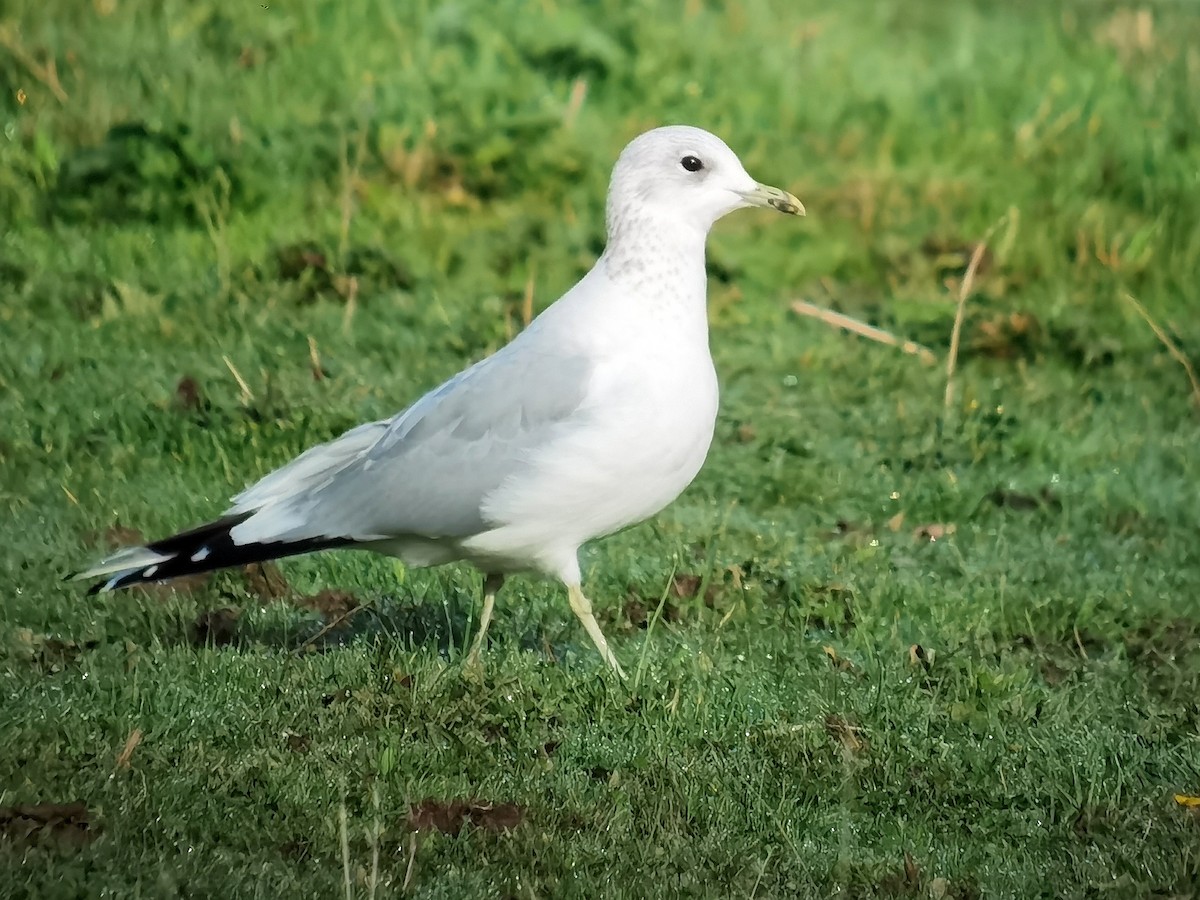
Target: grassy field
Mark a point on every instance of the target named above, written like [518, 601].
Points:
[886, 645]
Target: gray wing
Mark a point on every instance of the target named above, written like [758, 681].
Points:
[427, 471]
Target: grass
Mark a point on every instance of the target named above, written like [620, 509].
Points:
[308, 215]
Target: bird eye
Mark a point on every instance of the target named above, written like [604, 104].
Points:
[692, 163]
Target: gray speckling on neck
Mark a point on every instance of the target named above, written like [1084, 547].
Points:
[655, 256]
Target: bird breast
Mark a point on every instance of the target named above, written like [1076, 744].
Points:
[637, 441]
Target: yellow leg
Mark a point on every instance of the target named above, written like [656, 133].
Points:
[582, 607]
[491, 587]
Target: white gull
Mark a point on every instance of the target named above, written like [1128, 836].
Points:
[594, 418]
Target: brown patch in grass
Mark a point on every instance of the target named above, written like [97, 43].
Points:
[912, 874]
[1010, 336]
[638, 612]
[266, 582]
[671, 612]
[847, 734]
[635, 611]
[187, 584]
[63, 825]
[839, 663]
[188, 396]
[331, 603]
[215, 627]
[449, 817]
[905, 883]
[853, 533]
[919, 656]
[114, 537]
[1019, 502]
[686, 586]
[335, 607]
[934, 532]
[294, 260]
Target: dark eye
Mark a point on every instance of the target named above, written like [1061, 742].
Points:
[692, 163]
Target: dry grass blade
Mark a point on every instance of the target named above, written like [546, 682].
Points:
[960, 314]
[247, 394]
[412, 863]
[579, 90]
[329, 626]
[47, 74]
[964, 292]
[351, 303]
[839, 320]
[527, 300]
[1172, 348]
[126, 754]
[314, 359]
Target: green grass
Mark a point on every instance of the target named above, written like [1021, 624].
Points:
[781, 740]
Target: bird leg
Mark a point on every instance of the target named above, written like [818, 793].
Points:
[492, 583]
[582, 607]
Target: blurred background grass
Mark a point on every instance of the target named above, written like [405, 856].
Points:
[341, 204]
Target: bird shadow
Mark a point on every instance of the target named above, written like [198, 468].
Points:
[445, 624]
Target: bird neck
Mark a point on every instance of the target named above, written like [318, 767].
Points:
[658, 257]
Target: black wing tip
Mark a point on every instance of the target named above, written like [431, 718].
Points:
[219, 552]
[187, 541]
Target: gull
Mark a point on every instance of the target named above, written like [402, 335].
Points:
[593, 418]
